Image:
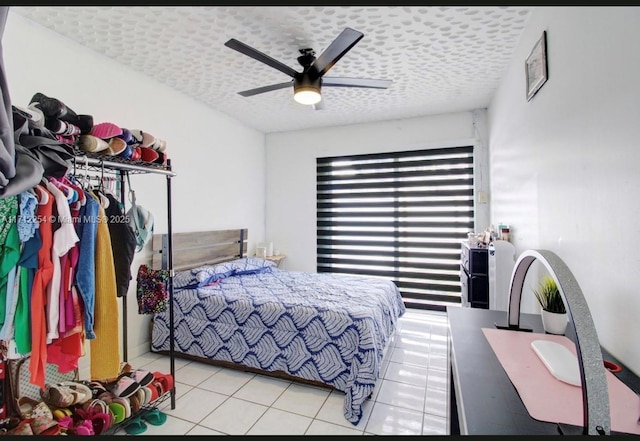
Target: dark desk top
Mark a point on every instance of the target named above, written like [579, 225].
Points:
[488, 403]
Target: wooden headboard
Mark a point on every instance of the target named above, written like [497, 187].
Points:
[199, 248]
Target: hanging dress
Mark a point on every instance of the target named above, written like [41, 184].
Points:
[123, 242]
[105, 348]
[41, 281]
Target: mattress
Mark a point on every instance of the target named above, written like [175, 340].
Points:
[324, 327]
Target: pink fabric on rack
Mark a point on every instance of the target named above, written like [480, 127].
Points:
[549, 399]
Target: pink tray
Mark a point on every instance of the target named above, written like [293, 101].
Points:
[549, 399]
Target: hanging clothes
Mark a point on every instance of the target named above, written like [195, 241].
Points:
[123, 243]
[64, 238]
[18, 309]
[105, 348]
[85, 278]
[28, 266]
[9, 249]
[42, 279]
[7, 143]
[66, 350]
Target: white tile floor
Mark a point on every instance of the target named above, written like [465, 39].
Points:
[410, 398]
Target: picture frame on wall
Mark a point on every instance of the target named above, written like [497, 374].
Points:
[536, 66]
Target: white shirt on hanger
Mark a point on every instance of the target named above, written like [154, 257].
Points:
[64, 238]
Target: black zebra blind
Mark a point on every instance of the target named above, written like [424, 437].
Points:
[399, 215]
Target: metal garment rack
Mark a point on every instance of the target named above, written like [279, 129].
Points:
[123, 169]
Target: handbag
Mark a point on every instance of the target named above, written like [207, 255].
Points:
[140, 219]
[18, 381]
[151, 292]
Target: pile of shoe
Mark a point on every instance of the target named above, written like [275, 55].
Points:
[135, 145]
[92, 407]
[105, 138]
[55, 116]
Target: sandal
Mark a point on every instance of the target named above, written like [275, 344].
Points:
[25, 406]
[153, 392]
[23, 428]
[125, 403]
[136, 426]
[165, 380]
[155, 417]
[44, 425]
[118, 412]
[58, 396]
[124, 386]
[142, 377]
[100, 421]
[82, 392]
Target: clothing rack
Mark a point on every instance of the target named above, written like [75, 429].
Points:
[122, 170]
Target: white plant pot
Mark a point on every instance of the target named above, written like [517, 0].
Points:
[554, 323]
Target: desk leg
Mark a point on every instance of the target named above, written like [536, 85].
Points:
[454, 424]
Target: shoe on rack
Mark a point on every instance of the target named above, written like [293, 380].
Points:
[117, 146]
[90, 143]
[60, 127]
[106, 130]
[54, 108]
[140, 376]
[124, 386]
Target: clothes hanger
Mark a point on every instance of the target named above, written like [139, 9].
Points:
[73, 182]
[70, 193]
[104, 201]
[41, 194]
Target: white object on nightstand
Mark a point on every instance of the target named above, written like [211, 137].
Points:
[559, 360]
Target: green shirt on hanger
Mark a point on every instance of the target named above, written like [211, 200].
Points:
[9, 246]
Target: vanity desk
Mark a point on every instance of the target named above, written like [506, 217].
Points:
[482, 399]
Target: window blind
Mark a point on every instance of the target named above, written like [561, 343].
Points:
[399, 215]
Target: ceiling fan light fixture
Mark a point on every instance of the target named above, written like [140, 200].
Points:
[307, 97]
[306, 91]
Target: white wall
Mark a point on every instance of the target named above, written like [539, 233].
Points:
[291, 170]
[210, 152]
[564, 166]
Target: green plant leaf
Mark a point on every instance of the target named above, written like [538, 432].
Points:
[549, 296]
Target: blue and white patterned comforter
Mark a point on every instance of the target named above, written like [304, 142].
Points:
[324, 327]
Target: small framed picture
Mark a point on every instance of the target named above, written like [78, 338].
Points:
[536, 66]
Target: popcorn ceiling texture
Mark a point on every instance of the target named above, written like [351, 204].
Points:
[440, 59]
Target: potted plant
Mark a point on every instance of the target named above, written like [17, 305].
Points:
[554, 313]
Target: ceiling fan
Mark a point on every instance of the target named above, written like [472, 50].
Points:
[308, 83]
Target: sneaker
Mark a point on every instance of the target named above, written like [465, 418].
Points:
[54, 108]
[106, 130]
[51, 107]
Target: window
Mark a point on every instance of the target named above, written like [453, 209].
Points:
[399, 215]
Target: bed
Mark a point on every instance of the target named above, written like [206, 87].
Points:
[244, 312]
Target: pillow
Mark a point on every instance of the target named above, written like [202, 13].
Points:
[184, 278]
[244, 264]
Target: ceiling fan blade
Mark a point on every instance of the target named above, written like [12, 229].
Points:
[355, 82]
[264, 89]
[338, 47]
[257, 55]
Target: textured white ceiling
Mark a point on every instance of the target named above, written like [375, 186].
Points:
[440, 59]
